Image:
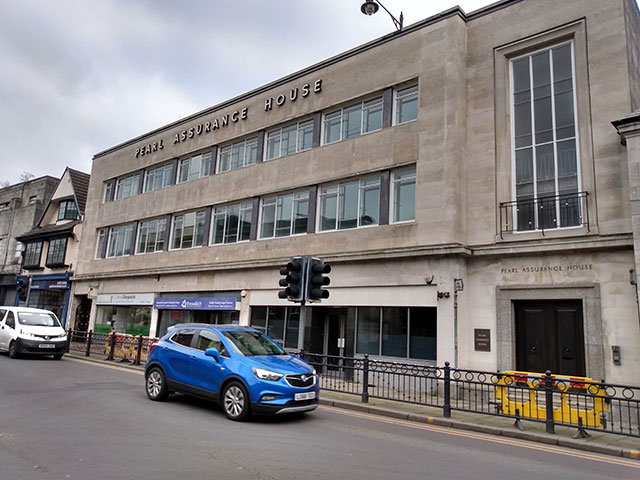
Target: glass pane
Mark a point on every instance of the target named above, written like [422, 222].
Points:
[275, 323]
[545, 170]
[305, 135]
[348, 215]
[394, 332]
[284, 212]
[289, 140]
[368, 335]
[328, 206]
[251, 151]
[273, 145]
[332, 127]
[407, 105]
[231, 233]
[293, 325]
[352, 121]
[373, 115]
[405, 198]
[301, 213]
[225, 158]
[268, 218]
[246, 212]
[370, 206]
[259, 318]
[423, 333]
[218, 225]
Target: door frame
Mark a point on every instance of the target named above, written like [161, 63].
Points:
[589, 293]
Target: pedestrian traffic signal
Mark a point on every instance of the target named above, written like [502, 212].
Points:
[316, 279]
[293, 281]
[23, 290]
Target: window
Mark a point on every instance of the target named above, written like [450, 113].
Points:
[159, 177]
[404, 195]
[128, 186]
[406, 104]
[397, 332]
[19, 248]
[232, 223]
[101, 249]
[4, 206]
[151, 236]
[57, 249]
[280, 323]
[238, 155]
[544, 140]
[120, 241]
[32, 254]
[194, 167]
[184, 337]
[108, 191]
[188, 230]
[285, 215]
[67, 210]
[289, 140]
[33, 199]
[209, 339]
[353, 121]
[350, 204]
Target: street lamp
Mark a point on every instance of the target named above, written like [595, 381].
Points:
[371, 6]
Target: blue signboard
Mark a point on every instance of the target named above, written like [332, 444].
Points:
[195, 303]
[49, 284]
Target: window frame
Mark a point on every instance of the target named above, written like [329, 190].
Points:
[27, 265]
[132, 182]
[174, 219]
[294, 203]
[338, 193]
[393, 194]
[127, 244]
[159, 239]
[206, 159]
[168, 175]
[396, 92]
[61, 252]
[252, 141]
[378, 98]
[62, 213]
[289, 311]
[302, 127]
[245, 207]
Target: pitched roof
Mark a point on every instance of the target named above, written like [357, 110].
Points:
[53, 230]
[80, 183]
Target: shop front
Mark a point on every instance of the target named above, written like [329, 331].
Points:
[124, 313]
[49, 292]
[200, 307]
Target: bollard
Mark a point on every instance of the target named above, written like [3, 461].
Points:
[365, 379]
[446, 408]
[138, 351]
[69, 340]
[548, 404]
[89, 339]
[112, 346]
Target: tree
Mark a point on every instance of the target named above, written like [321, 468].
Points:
[5, 183]
[26, 176]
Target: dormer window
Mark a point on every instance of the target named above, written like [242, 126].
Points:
[68, 210]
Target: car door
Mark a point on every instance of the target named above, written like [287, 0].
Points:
[177, 353]
[206, 372]
[4, 334]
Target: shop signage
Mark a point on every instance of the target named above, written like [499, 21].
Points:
[125, 299]
[482, 339]
[93, 292]
[195, 303]
[49, 284]
[569, 267]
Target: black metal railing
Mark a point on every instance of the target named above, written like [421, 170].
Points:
[544, 398]
[545, 213]
[126, 348]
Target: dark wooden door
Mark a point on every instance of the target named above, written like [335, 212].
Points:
[549, 336]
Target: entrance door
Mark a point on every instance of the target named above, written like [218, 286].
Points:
[549, 336]
[328, 326]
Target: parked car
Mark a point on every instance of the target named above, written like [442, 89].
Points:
[240, 368]
[31, 331]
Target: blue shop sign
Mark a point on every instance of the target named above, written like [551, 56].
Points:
[195, 303]
[49, 284]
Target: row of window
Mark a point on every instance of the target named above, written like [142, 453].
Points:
[344, 205]
[55, 254]
[347, 122]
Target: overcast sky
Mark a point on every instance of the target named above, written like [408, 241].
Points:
[78, 76]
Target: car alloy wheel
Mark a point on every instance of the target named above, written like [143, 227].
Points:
[156, 385]
[235, 401]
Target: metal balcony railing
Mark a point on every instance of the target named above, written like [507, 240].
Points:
[545, 213]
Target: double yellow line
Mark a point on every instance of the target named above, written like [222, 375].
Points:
[489, 438]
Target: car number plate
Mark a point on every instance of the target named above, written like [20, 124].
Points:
[46, 345]
[305, 396]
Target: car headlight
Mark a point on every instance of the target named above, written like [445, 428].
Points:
[314, 372]
[263, 374]
[27, 334]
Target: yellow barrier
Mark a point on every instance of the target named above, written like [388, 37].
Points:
[587, 411]
[126, 346]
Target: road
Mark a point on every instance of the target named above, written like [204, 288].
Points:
[72, 419]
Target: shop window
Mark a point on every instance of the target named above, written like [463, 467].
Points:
[284, 215]
[128, 186]
[280, 323]
[397, 332]
[289, 140]
[67, 210]
[123, 319]
[238, 155]
[56, 252]
[350, 204]
[158, 177]
[194, 167]
[32, 255]
[406, 104]
[151, 236]
[232, 223]
[404, 195]
[188, 230]
[352, 121]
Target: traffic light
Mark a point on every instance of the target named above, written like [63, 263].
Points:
[23, 290]
[293, 281]
[316, 280]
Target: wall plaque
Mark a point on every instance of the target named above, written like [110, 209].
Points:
[482, 339]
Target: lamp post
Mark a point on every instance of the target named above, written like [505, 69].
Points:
[371, 6]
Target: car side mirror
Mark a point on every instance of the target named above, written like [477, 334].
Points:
[212, 352]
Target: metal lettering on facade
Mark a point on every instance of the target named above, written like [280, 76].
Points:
[195, 303]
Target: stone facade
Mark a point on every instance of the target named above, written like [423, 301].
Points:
[461, 147]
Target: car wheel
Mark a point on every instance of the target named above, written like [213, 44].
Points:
[235, 401]
[156, 385]
[58, 356]
[13, 350]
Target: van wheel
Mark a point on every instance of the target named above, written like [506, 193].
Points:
[236, 401]
[13, 350]
[156, 385]
[58, 356]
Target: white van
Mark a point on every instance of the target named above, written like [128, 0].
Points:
[31, 331]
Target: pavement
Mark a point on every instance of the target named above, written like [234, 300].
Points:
[596, 442]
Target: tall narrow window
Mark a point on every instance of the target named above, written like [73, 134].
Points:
[349, 204]
[57, 250]
[546, 176]
[32, 254]
[406, 104]
[188, 230]
[67, 210]
[404, 195]
[232, 223]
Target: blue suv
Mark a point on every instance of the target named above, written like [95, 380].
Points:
[240, 368]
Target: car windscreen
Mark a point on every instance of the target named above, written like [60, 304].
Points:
[253, 343]
[38, 319]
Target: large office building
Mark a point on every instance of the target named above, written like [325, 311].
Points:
[462, 176]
